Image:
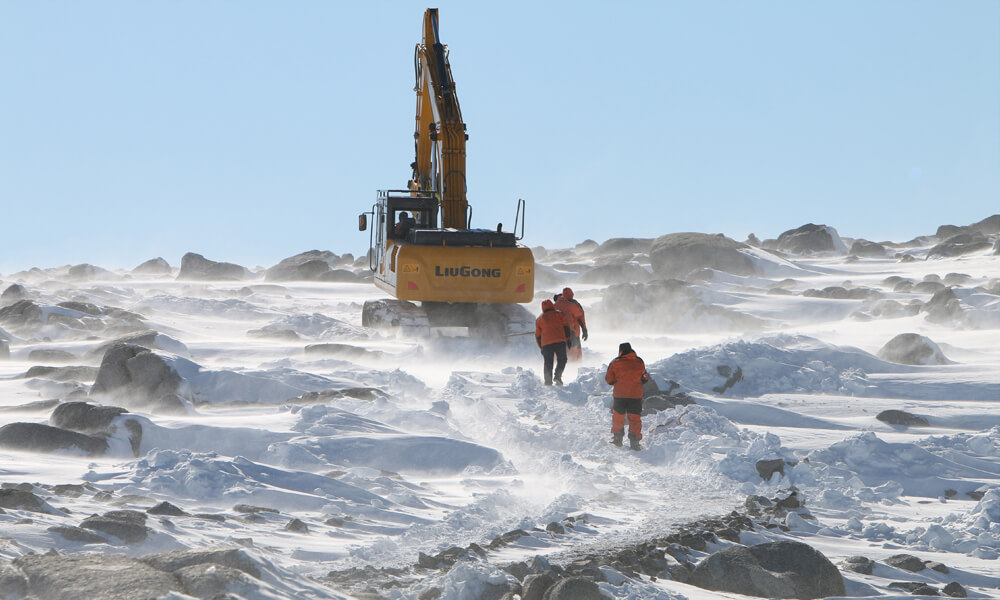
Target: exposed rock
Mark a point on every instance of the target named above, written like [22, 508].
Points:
[78, 534]
[933, 564]
[93, 576]
[37, 437]
[297, 526]
[943, 307]
[914, 587]
[127, 525]
[234, 558]
[13, 293]
[251, 509]
[899, 417]
[988, 225]
[341, 276]
[137, 376]
[574, 588]
[928, 287]
[86, 308]
[62, 373]
[858, 564]
[907, 562]
[912, 349]
[307, 266]
[868, 249]
[23, 500]
[767, 468]
[273, 334]
[51, 355]
[958, 245]
[84, 417]
[86, 271]
[624, 246]
[197, 267]
[154, 266]
[535, 585]
[955, 590]
[20, 313]
[209, 580]
[13, 583]
[346, 351]
[147, 338]
[784, 569]
[809, 239]
[677, 254]
[166, 508]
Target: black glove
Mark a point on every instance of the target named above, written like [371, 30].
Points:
[585, 334]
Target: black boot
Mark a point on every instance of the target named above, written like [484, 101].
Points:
[558, 381]
[617, 439]
[633, 442]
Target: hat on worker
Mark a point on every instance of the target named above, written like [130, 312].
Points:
[624, 348]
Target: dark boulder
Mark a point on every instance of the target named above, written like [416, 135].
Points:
[907, 562]
[13, 293]
[197, 267]
[13, 583]
[677, 254]
[214, 581]
[36, 437]
[961, 244]
[917, 588]
[154, 267]
[784, 569]
[574, 588]
[955, 590]
[809, 239]
[308, 266]
[858, 564]
[167, 509]
[912, 349]
[21, 313]
[78, 534]
[84, 417]
[943, 307]
[868, 249]
[62, 373]
[234, 558]
[136, 376]
[48, 355]
[94, 576]
[767, 468]
[900, 417]
[22, 499]
[127, 525]
[86, 272]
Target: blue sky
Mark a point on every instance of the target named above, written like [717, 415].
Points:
[250, 131]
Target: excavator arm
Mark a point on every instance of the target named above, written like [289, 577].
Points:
[440, 132]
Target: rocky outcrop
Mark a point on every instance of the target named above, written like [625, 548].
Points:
[808, 239]
[868, 249]
[912, 349]
[37, 437]
[197, 267]
[127, 525]
[13, 293]
[307, 266]
[153, 267]
[901, 417]
[784, 569]
[139, 378]
[961, 244]
[624, 246]
[677, 254]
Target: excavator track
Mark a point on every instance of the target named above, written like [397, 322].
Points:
[497, 322]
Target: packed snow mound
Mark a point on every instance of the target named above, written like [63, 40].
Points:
[916, 471]
[772, 365]
[913, 349]
[336, 437]
[221, 481]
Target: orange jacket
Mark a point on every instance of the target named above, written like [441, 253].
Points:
[551, 327]
[627, 373]
[573, 311]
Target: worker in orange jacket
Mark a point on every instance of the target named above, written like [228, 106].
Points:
[570, 307]
[627, 373]
[551, 333]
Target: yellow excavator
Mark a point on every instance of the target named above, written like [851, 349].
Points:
[422, 248]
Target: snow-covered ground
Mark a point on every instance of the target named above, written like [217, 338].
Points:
[316, 445]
